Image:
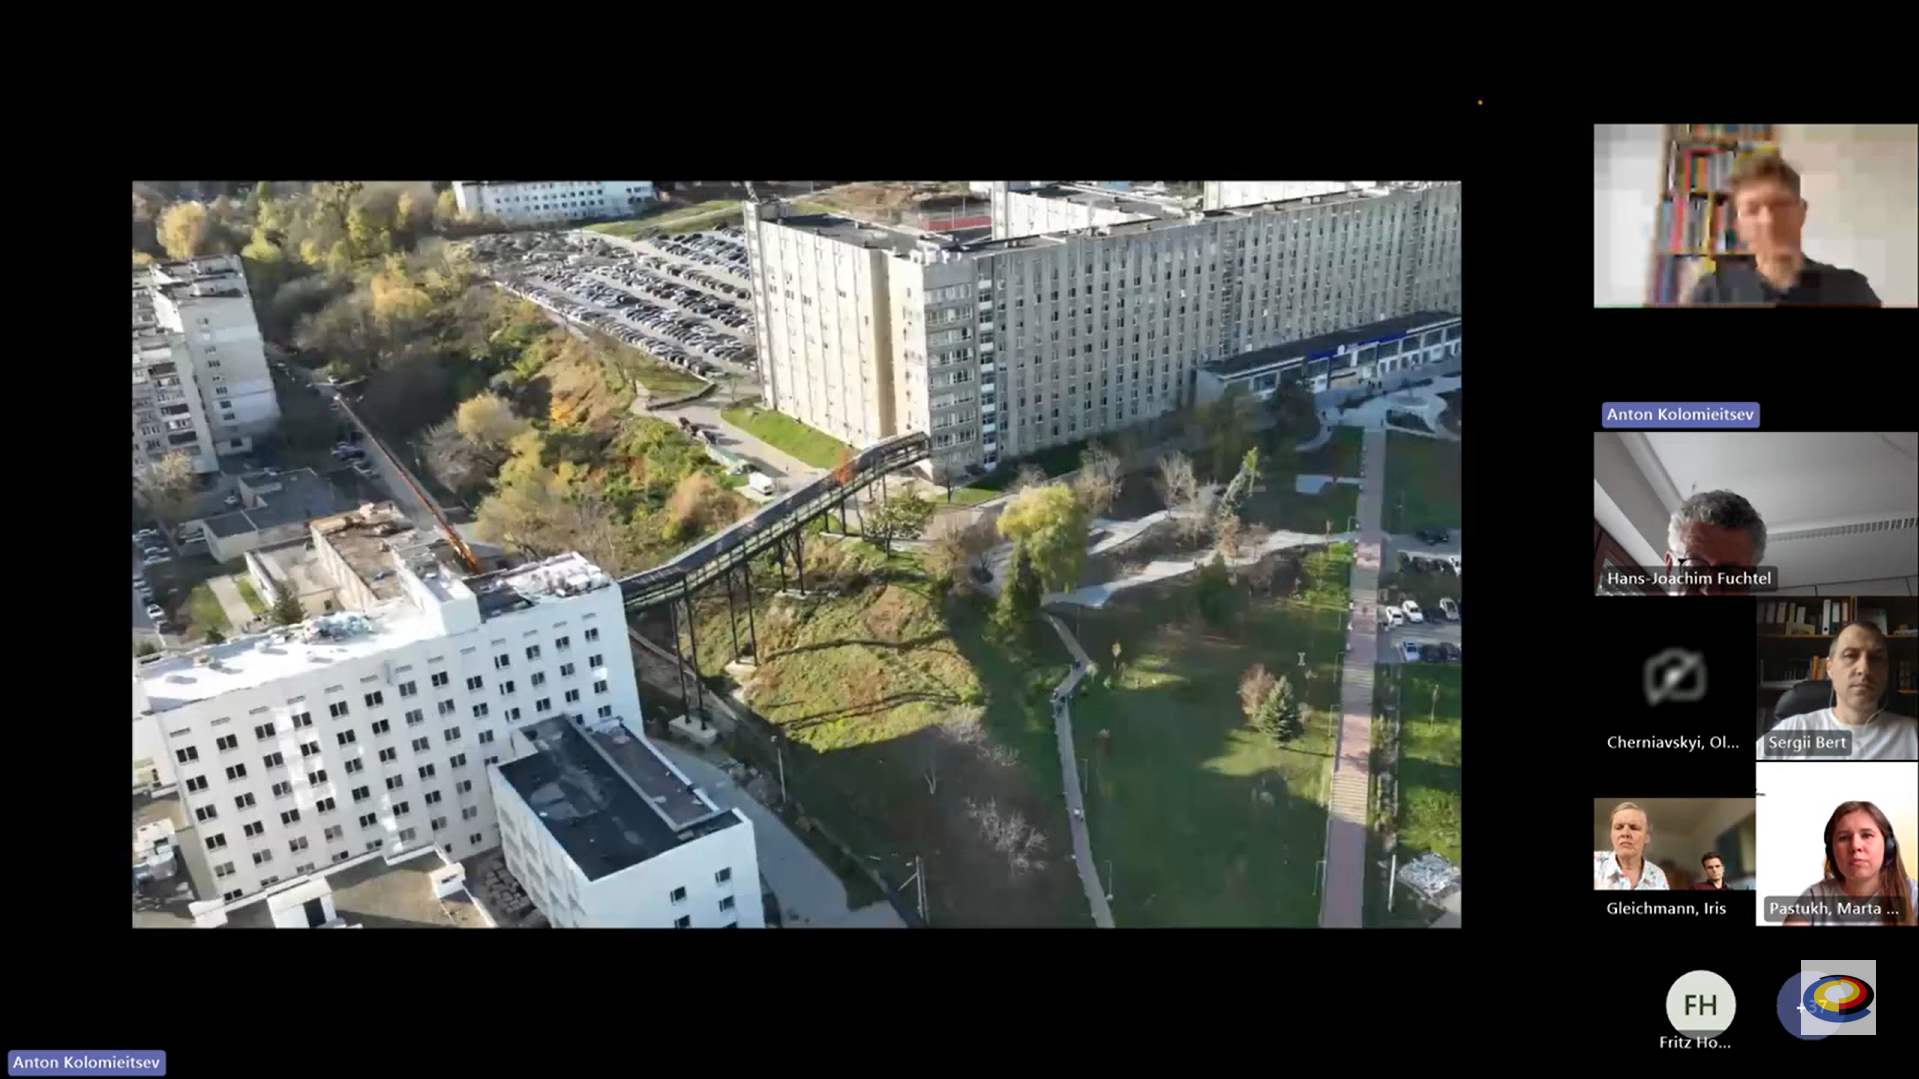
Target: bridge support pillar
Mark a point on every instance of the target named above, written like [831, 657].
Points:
[693, 638]
[732, 620]
[679, 669]
[752, 639]
[799, 557]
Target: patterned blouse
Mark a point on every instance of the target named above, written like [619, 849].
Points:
[1607, 876]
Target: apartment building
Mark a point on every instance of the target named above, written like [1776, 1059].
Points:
[1424, 340]
[1001, 347]
[604, 832]
[1221, 194]
[552, 200]
[373, 727]
[200, 380]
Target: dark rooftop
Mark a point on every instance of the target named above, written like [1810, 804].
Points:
[597, 814]
[847, 230]
[302, 495]
[1266, 357]
[378, 895]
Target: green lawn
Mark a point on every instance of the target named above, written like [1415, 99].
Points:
[1206, 822]
[204, 613]
[251, 597]
[1422, 483]
[661, 379]
[816, 448]
[671, 218]
[1338, 457]
[1056, 461]
[1428, 768]
[859, 677]
[971, 496]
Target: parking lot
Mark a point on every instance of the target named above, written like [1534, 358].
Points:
[683, 298]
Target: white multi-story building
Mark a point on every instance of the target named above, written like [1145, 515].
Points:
[1001, 347]
[552, 200]
[1221, 194]
[373, 728]
[200, 381]
[604, 832]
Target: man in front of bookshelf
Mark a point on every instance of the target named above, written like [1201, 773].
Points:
[1858, 664]
[1769, 216]
[1625, 868]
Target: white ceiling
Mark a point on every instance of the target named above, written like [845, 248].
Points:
[1800, 482]
[1681, 820]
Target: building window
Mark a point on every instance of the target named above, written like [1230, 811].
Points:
[506, 687]
[382, 726]
[544, 704]
[337, 709]
[303, 719]
[354, 765]
[253, 828]
[375, 699]
[361, 794]
[426, 771]
[316, 777]
[723, 875]
[439, 824]
[401, 809]
[206, 813]
[572, 695]
[487, 736]
[216, 841]
[600, 686]
[592, 635]
[187, 755]
[452, 734]
[458, 760]
[469, 812]
[476, 838]
[562, 644]
[439, 678]
[333, 832]
[323, 805]
[566, 670]
[533, 651]
[389, 754]
[596, 661]
[242, 801]
[415, 717]
[447, 707]
[502, 661]
[406, 835]
[605, 711]
[273, 760]
[236, 771]
[678, 895]
[224, 869]
[432, 797]
[297, 845]
[465, 786]
[197, 783]
[282, 789]
[475, 682]
[308, 749]
[368, 820]
[262, 857]
[726, 903]
[394, 783]
[226, 742]
[263, 732]
[539, 678]
[422, 744]
[684, 921]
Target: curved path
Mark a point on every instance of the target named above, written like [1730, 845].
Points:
[1075, 798]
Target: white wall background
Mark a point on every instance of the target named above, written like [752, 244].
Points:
[1861, 182]
[1796, 798]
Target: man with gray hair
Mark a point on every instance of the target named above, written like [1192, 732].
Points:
[1713, 530]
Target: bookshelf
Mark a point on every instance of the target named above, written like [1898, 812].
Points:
[1796, 632]
[1693, 227]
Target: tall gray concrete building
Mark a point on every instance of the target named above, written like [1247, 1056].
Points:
[1088, 311]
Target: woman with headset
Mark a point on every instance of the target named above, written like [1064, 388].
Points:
[1863, 865]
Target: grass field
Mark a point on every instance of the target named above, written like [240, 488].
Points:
[872, 679]
[1205, 821]
[1422, 483]
[204, 613]
[661, 379]
[816, 448]
[1428, 768]
[672, 218]
[252, 598]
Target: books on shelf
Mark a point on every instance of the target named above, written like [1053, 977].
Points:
[1809, 617]
[1677, 275]
[1760, 132]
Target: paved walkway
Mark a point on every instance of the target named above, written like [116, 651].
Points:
[236, 608]
[1342, 892]
[1096, 595]
[1075, 800]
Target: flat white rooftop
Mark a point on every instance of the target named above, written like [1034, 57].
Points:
[550, 579]
[211, 670]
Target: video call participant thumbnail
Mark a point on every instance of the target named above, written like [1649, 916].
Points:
[1625, 868]
[1859, 667]
[1863, 864]
[1770, 217]
[1714, 530]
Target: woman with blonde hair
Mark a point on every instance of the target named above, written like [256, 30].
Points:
[1625, 868]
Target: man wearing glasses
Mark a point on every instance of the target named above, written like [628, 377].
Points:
[1768, 215]
[1714, 530]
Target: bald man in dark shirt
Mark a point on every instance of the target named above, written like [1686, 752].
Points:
[1770, 216]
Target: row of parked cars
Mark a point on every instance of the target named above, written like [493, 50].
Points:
[1409, 611]
[642, 325]
[1444, 652]
[722, 250]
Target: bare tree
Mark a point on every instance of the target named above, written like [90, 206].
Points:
[1254, 687]
[1029, 475]
[453, 460]
[1177, 484]
[1196, 518]
[165, 487]
[1009, 834]
[1097, 484]
[1228, 532]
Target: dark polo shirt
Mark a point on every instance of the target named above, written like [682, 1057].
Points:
[1707, 886]
[1738, 281]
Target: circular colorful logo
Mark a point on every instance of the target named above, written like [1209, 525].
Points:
[1838, 998]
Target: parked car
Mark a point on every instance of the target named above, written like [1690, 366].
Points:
[1450, 609]
[1453, 561]
[1449, 651]
[1431, 653]
[1410, 651]
[1433, 536]
[1413, 613]
[155, 611]
[1393, 616]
